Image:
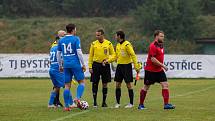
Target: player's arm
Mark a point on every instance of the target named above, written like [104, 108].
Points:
[80, 54]
[152, 53]
[91, 53]
[49, 62]
[132, 54]
[112, 54]
[117, 52]
[59, 59]
[158, 63]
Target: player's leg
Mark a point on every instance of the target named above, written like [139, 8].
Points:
[131, 95]
[165, 94]
[104, 92]
[148, 80]
[80, 89]
[51, 99]
[128, 77]
[67, 93]
[118, 94]
[53, 93]
[79, 76]
[118, 79]
[57, 98]
[79, 92]
[95, 77]
[143, 93]
[106, 78]
[60, 83]
[165, 89]
[95, 91]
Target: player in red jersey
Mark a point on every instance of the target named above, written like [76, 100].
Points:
[154, 70]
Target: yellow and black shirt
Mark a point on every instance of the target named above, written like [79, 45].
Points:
[125, 54]
[101, 51]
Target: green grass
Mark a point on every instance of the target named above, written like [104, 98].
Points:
[32, 35]
[26, 100]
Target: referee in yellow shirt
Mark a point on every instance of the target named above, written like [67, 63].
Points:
[125, 57]
[101, 54]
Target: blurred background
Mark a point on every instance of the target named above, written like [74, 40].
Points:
[26, 26]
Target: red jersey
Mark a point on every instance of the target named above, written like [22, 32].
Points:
[155, 50]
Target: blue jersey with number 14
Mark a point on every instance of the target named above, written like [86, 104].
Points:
[68, 45]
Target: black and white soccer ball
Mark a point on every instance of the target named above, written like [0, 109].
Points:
[84, 105]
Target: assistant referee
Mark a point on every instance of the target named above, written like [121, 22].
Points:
[100, 56]
[125, 57]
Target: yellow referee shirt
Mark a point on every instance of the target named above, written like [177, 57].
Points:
[101, 51]
[125, 54]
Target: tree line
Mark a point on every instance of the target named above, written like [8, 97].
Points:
[73, 8]
[82, 8]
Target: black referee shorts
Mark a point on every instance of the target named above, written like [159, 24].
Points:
[100, 70]
[152, 77]
[124, 71]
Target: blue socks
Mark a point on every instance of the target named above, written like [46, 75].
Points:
[70, 99]
[52, 97]
[67, 97]
[80, 90]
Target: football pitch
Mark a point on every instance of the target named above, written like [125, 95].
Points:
[27, 99]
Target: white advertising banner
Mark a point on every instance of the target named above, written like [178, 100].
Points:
[24, 65]
[37, 65]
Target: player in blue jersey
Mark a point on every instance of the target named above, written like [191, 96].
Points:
[55, 75]
[72, 64]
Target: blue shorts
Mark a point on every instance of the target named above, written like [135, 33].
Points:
[76, 72]
[56, 77]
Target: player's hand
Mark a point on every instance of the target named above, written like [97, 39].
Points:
[84, 68]
[105, 61]
[91, 70]
[61, 69]
[165, 68]
[137, 70]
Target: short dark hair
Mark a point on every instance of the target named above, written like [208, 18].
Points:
[157, 32]
[70, 28]
[121, 34]
[101, 30]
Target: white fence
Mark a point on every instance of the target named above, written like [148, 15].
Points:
[37, 65]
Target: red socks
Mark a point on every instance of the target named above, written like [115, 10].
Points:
[142, 96]
[165, 94]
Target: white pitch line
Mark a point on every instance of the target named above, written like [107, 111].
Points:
[71, 115]
[188, 93]
[193, 92]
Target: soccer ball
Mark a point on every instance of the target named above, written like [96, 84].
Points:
[84, 105]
